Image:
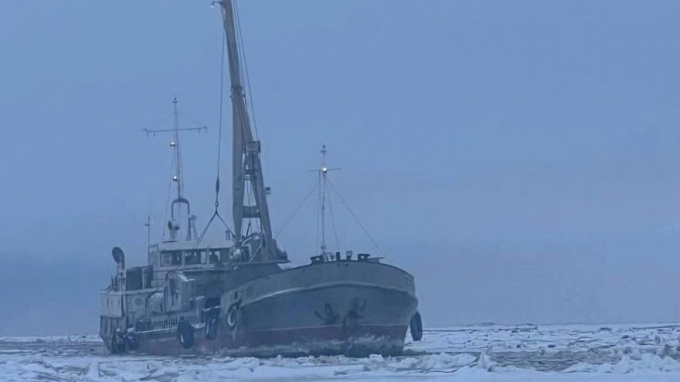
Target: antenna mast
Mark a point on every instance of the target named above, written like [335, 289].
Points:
[147, 224]
[322, 173]
[323, 180]
[178, 164]
[178, 178]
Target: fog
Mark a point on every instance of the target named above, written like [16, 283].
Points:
[521, 159]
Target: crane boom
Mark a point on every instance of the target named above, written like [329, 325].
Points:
[246, 163]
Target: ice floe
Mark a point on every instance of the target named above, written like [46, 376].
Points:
[629, 353]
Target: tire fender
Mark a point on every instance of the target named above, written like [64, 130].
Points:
[118, 345]
[416, 326]
[212, 323]
[131, 341]
[185, 334]
[232, 315]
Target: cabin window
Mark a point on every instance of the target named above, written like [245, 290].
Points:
[192, 257]
[134, 279]
[148, 277]
[176, 257]
[213, 257]
[171, 258]
[224, 255]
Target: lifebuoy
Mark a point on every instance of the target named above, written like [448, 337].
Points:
[211, 323]
[232, 314]
[416, 326]
[185, 334]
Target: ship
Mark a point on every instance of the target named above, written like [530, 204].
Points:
[236, 295]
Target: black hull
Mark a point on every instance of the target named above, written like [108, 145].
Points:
[349, 308]
[353, 320]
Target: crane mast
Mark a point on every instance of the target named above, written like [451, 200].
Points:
[246, 163]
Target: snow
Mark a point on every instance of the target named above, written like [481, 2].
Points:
[628, 353]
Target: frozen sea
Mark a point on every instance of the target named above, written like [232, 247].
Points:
[470, 353]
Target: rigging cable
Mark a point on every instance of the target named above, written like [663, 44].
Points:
[283, 227]
[216, 214]
[356, 218]
[219, 134]
[187, 114]
[160, 122]
[244, 68]
[335, 231]
[205, 230]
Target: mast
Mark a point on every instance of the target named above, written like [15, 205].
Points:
[246, 163]
[148, 234]
[178, 159]
[173, 225]
[324, 194]
[177, 177]
[322, 174]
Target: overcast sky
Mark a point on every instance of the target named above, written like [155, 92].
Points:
[521, 159]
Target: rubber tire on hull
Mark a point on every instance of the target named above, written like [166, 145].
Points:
[117, 344]
[416, 326]
[131, 341]
[185, 334]
[232, 315]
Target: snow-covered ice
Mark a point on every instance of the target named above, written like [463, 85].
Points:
[629, 353]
